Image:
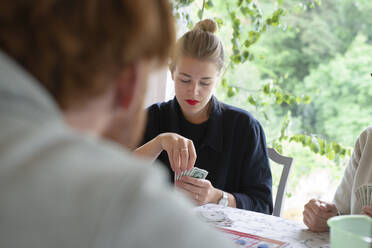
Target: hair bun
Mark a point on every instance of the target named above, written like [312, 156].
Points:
[206, 25]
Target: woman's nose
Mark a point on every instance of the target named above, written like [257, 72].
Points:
[194, 88]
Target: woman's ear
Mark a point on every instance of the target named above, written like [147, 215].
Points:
[172, 69]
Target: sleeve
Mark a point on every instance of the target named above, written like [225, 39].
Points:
[255, 191]
[154, 216]
[342, 198]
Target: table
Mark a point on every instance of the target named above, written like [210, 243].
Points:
[294, 233]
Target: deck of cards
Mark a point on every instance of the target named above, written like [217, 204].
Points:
[195, 172]
[364, 195]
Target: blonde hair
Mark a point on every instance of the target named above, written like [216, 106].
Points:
[200, 43]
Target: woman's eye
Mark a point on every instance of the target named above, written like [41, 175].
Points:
[204, 83]
[185, 81]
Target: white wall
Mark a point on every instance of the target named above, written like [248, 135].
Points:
[160, 87]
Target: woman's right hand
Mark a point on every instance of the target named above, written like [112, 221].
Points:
[181, 151]
[316, 214]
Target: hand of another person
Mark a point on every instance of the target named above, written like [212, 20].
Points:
[367, 210]
[181, 151]
[316, 213]
[200, 190]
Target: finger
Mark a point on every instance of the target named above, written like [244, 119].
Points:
[189, 187]
[176, 160]
[319, 211]
[368, 214]
[314, 225]
[171, 162]
[197, 198]
[192, 155]
[184, 157]
[367, 210]
[194, 181]
[307, 222]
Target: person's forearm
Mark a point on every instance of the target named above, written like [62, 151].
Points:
[150, 150]
[253, 203]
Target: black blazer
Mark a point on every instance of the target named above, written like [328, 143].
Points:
[233, 151]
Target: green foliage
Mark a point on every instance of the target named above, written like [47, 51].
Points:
[341, 90]
[301, 67]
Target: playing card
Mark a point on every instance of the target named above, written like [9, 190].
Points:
[370, 195]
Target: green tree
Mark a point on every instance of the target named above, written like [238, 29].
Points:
[342, 93]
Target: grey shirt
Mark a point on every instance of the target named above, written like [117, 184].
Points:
[60, 188]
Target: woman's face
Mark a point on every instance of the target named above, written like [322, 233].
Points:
[194, 82]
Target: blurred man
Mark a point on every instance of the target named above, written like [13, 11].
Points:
[72, 72]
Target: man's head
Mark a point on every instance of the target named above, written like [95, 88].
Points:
[89, 52]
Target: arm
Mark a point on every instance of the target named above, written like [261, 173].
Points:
[255, 180]
[254, 192]
[342, 198]
[150, 150]
[181, 151]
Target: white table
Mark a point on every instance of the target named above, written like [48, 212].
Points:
[294, 233]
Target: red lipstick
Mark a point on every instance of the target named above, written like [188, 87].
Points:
[192, 102]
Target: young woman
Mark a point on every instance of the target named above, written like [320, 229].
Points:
[229, 142]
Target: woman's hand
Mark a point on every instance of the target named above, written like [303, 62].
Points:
[200, 190]
[367, 210]
[180, 150]
[316, 214]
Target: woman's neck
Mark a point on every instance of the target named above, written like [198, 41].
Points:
[200, 117]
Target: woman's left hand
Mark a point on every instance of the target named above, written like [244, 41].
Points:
[367, 210]
[200, 190]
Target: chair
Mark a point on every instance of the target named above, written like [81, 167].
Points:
[287, 164]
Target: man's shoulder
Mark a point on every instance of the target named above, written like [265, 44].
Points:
[55, 146]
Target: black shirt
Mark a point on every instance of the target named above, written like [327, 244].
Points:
[195, 132]
[231, 147]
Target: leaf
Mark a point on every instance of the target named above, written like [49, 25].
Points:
[336, 147]
[267, 88]
[331, 155]
[230, 92]
[200, 14]
[278, 98]
[245, 56]
[307, 99]
[286, 98]
[224, 83]
[251, 100]
[209, 4]
[219, 22]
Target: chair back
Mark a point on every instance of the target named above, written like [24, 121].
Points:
[282, 188]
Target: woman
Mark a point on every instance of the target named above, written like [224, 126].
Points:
[358, 174]
[230, 144]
